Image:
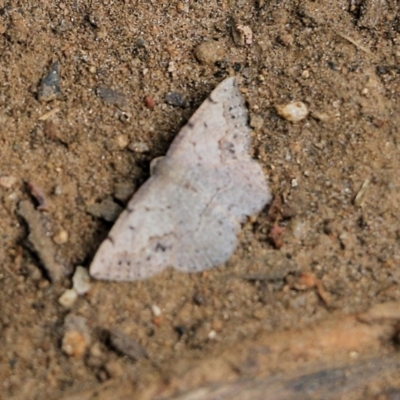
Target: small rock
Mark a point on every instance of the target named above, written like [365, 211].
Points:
[107, 210]
[49, 87]
[61, 237]
[171, 67]
[209, 52]
[149, 102]
[114, 369]
[127, 346]
[7, 182]
[183, 7]
[293, 112]
[123, 191]
[140, 42]
[139, 147]
[212, 335]
[248, 73]
[259, 314]
[199, 299]
[76, 337]
[58, 190]
[242, 35]
[81, 280]
[111, 96]
[156, 310]
[175, 99]
[122, 141]
[125, 117]
[256, 122]
[68, 298]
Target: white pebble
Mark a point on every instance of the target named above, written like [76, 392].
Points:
[68, 298]
[156, 310]
[293, 112]
[61, 237]
[212, 335]
[81, 280]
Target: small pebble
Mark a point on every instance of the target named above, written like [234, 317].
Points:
[149, 102]
[7, 182]
[127, 346]
[76, 337]
[49, 87]
[242, 35]
[293, 112]
[81, 280]
[61, 237]
[209, 52]
[212, 335]
[199, 299]
[68, 298]
[171, 67]
[58, 190]
[139, 147]
[156, 310]
[174, 99]
[111, 96]
[125, 117]
[256, 122]
[183, 7]
[122, 141]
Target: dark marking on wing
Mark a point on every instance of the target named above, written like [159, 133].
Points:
[160, 247]
[111, 239]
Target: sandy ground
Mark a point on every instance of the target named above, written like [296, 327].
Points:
[284, 313]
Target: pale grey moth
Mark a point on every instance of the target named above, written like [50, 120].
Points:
[188, 213]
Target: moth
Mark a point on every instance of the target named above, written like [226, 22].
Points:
[188, 213]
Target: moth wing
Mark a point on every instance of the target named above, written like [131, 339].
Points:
[217, 131]
[142, 241]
